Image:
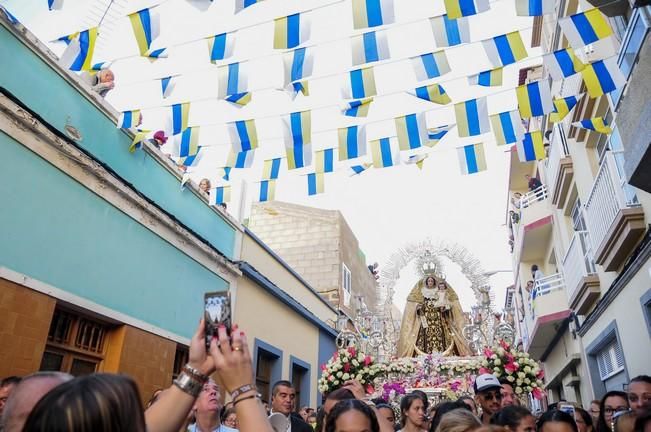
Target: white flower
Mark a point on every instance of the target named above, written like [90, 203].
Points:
[518, 382]
[494, 356]
[527, 369]
[484, 363]
[355, 363]
[496, 369]
[521, 375]
[527, 381]
[498, 362]
[360, 356]
[518, 390]
[500, 351]
[527, 388]
[339, 374]
[358, 377]
[335, 382]
[510, 378]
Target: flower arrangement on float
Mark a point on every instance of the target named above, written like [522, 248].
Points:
[349, 364]
[523, 372]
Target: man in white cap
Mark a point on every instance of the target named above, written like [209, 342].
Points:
[488, 395]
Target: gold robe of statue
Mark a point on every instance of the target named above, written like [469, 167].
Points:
[444, 324]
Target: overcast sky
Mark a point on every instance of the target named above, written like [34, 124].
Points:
[386, 208]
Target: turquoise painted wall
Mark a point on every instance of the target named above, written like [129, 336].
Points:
[41, 89]
[57, 231]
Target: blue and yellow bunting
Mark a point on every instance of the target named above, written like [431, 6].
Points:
[362, 83]
[384, 153]
[298, 139]
[324, 161]
[534, 7]
[243, 159]
[369, 47]
[352, 142]
[289, 31]
[315, 183]
[489, 78]
[472, 117]
[430, 65]
[461, 8]
[562, 107]
[298, 66]
[271, 169]
[180, 117]
[78, 55]
[240, 5]
[436, 134]
[531, 148]
[54, 4]
[239, 99]
[189, 142]
[244, 136]
[220, 46]
[562, 63]
[220, 195]
[146, 28]
[603, 76]
[534, 99]
[357, 107]
[505, 49]
[138, 138]
[432, 93]
[584, 28]
[411, 131]
[372, 13]
[267, 190]
[471, 158]
[597, 124]
[358, 169]
[129, 119]
[417, 159]
[507, 127]
[231, 80]
[450, 32]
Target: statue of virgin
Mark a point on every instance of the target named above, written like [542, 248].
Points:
[432, 321]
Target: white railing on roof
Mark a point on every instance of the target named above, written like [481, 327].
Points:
[578, 262]
[605, 200]
[534, 196]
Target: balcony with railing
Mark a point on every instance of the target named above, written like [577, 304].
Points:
[614, 219]
[580, 274]
[533, 231]
[548, 307]
[559, 169]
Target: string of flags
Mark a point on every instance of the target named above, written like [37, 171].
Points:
[449, 30]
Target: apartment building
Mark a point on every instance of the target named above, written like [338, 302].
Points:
[586, 313]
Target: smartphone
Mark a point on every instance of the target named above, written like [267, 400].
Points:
[217, 311]
[567, 408]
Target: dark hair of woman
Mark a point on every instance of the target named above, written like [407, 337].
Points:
[405, 404]
[444, 408]
[343, 407]
[420, 393]
[320, 419]
[340, 394]
[556, 416]
[510, 416]
[98, 403]
[585, 416]
[602, 426]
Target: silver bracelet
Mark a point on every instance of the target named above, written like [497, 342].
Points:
[188, 384]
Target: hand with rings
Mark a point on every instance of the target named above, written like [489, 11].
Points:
[232, 358]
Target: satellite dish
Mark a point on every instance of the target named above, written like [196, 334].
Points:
[279, 422]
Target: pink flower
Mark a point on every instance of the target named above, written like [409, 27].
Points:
[370, 389]
[504, 345]
[367, 360]
[483, 370]
[537, 393]
[541, 374]
[488, 352]
[511, 367]
[324, 367]
[331, 378]
[352, 351]
[346, 367]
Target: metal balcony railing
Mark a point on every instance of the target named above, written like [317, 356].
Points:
[545, 286]
[578, 262]
[533, 197]
[605, 200]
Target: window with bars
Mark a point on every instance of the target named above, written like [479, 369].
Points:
[346, 284]
[76, 344]
[610, 360]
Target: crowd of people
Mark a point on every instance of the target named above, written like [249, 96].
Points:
[54, 401]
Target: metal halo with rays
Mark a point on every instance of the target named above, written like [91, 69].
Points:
[424, 251]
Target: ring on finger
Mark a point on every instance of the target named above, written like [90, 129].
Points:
[237, 348]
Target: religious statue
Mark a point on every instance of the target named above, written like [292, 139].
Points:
[432, 321]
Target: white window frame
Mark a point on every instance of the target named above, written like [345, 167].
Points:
[617, 362]
[346, 283]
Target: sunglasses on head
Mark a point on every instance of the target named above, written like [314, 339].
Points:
[492, 395]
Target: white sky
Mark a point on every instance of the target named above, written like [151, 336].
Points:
[386, 208]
